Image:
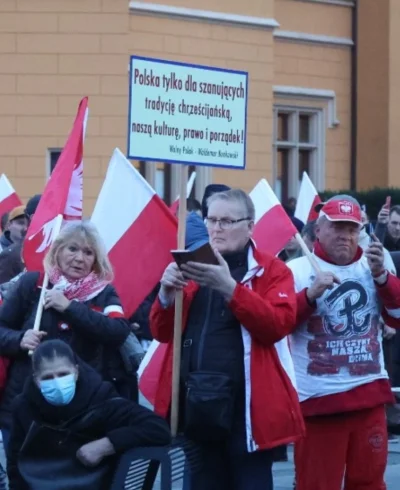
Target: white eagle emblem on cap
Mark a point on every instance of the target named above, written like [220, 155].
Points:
[346, 207]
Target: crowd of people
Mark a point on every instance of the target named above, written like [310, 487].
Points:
[275, 350]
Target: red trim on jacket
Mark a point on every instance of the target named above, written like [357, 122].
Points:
[268, 312]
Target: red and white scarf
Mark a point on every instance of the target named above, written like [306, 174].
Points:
[80, 290]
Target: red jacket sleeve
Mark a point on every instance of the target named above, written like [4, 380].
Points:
[304, 309]
[270, 313]
[389, 294]
[162, 321]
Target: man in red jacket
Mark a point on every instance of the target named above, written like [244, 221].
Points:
[337, 353]
[238, 398]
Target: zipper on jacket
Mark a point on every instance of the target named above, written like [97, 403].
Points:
[204, 330]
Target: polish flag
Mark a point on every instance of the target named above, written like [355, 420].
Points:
[138, 229]
[273, 227]
[61, 200]
[149, 371]
[8, 197]
[175, 205]
[307, 200]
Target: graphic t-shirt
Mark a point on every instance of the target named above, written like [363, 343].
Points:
[340, 346]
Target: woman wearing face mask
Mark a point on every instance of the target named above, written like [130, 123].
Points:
[69, 425]
[81, 308]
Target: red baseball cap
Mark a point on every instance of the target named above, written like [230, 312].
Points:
[342, 209]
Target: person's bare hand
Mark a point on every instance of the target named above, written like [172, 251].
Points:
[323, 281]
[383, 216]
[375, 256]
[388, 332]
[55, 299]
[92, 453]
[172, 279]
[217, 277]
[32, 339]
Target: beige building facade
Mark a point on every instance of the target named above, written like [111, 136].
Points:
[324, 80]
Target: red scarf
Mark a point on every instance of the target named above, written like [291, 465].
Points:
[320, 252]
[81, 289]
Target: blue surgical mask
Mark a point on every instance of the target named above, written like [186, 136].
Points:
[58, 391]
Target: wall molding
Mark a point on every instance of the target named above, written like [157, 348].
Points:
[208, 15]
[339, 3]
[311, 93]
[313, 38]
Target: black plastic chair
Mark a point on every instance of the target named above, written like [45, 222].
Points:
[138, 468]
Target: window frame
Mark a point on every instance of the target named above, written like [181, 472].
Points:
[49, 167]
[294, 145]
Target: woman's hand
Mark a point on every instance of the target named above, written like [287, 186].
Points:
[32, 339]
[94, 452]
[55, 299]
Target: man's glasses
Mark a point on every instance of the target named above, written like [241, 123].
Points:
[224, 223]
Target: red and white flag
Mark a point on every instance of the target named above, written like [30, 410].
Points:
[8, 197]
[175, 205]
[62, 197]
[273, 227]
[307, 200]
[138, 229]
[149, 371]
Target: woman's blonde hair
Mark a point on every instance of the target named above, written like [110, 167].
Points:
[87, 232]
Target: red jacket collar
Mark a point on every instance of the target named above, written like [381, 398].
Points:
[320, 252]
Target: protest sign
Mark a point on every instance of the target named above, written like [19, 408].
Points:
[190, 114]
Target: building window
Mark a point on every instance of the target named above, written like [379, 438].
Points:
[162, 184]
[53, 154]
[298, 147]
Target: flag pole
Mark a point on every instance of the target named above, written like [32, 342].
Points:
[39, 311]
[176, 359]
[307, 252]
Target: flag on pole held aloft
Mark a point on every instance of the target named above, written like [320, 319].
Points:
[307, 200]
[175, 205]
[138, 229]
[273, 227]
[8, 197]
[62, 195]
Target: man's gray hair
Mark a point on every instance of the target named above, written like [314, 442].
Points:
[235, 195]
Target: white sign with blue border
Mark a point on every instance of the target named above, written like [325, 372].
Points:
[189, 114]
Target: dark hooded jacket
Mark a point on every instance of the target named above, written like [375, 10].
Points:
[5, 241]
[10, 263]
[94, 336]
[125, 423]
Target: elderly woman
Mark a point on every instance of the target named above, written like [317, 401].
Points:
[80, 307]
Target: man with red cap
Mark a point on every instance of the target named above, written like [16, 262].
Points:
[337, 352]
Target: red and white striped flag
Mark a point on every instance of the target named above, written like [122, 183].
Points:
[307, 200]
[62, 197]
[138, 229]
[273, 227]
[175, 205]
[8, 197]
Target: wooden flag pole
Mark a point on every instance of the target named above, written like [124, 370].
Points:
[39, 311]
[307, 252]
[176, 359]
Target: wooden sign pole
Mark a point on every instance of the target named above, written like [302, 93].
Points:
[176, 360]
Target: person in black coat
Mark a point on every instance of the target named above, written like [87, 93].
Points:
[64, 391]
[81, 307]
